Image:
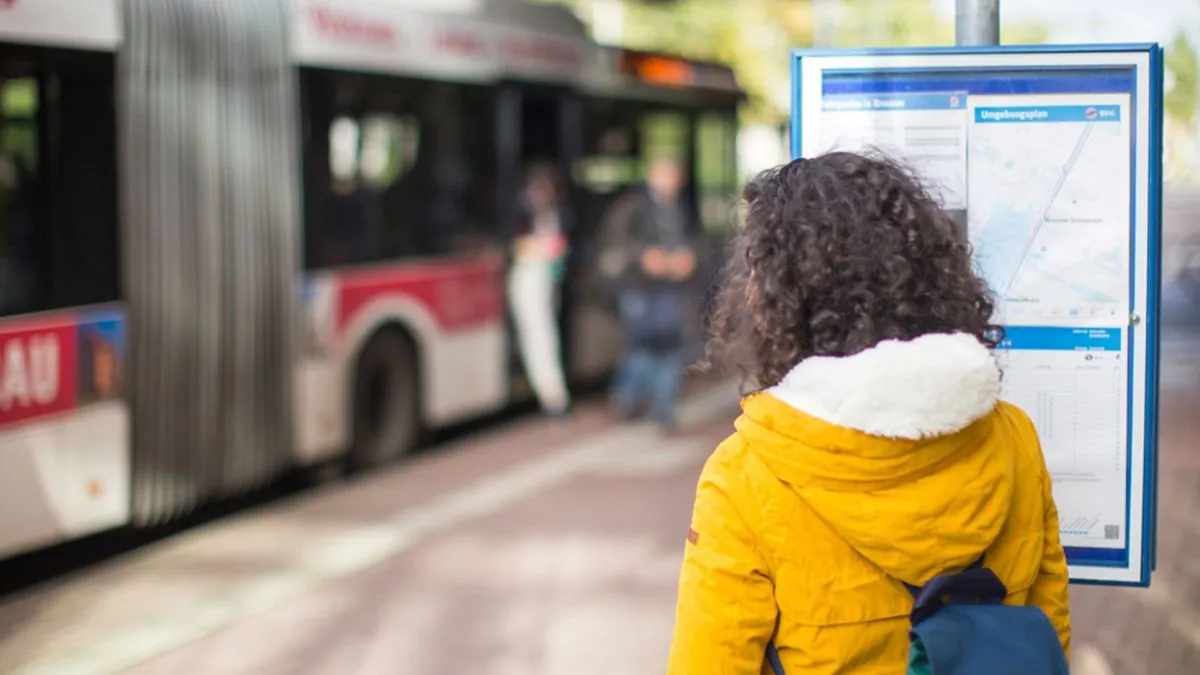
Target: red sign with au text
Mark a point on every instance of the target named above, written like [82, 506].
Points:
[37, 369]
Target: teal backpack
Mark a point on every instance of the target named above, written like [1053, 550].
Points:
[961, 626]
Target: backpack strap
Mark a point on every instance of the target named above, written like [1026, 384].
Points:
[916, 590]
[773, 659]
[976, 585]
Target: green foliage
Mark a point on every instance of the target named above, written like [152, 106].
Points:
[19, 98]
[755, 36]
[892, 23]
[1024, 34]
[915, 23]
[1181, 62]
[18, 114]
[752, 36]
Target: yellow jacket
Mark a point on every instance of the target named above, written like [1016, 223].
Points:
[856, 473]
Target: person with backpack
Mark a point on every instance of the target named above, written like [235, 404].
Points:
[878, 509]
[650, 261]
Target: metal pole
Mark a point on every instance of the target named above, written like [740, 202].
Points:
[977, 23]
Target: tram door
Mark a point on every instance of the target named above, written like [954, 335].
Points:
[541, 129]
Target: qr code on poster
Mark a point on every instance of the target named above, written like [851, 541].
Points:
[1112, 531]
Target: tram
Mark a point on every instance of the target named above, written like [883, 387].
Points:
[238, 238]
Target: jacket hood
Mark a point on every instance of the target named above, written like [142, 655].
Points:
[892, 448]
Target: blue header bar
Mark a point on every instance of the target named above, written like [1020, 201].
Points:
[1055, 338]
[991, 50]
[1048, 113]
[989, 81]
[896, 101]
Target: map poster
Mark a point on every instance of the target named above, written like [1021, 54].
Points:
[1049, 213]
[1045, 158]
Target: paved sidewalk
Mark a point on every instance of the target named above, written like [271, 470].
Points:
[535, 549]
[1156, 631]
[512, 553]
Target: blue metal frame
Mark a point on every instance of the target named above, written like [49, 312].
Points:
[1154, 300]
[1149, 559]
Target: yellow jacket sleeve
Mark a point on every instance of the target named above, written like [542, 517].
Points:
[1049, 591]
[726, 610]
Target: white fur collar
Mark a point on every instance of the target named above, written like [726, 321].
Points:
[930, 386]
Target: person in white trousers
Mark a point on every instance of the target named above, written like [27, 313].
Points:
[539, 253]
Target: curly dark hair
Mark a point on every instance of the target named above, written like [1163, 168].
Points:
[839, 253]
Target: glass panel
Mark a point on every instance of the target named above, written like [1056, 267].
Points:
[410, 170]
[58, 190]
[622, 137]
[665, 136]
[19, 215]
[716, 170]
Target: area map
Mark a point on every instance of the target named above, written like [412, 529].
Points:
[1048, 213]
[1042, 182]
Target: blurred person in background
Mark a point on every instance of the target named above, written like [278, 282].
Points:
[874, 453]
[650, 259]
[539, 259]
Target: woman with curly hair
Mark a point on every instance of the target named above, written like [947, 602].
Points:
[874, 452]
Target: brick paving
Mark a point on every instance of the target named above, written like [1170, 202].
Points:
[508, 554]
[574, 574]
[1157, 631]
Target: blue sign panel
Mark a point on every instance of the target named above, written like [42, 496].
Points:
[1050, 159]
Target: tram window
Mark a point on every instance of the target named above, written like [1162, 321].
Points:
[396, 169]
[621, 139]
[18, 218]
[343, 153]
[716, 170]
[375, 154]
[58, 192]
[612, 148]
[665, 134]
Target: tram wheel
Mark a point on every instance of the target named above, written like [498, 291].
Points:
[387, 420]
